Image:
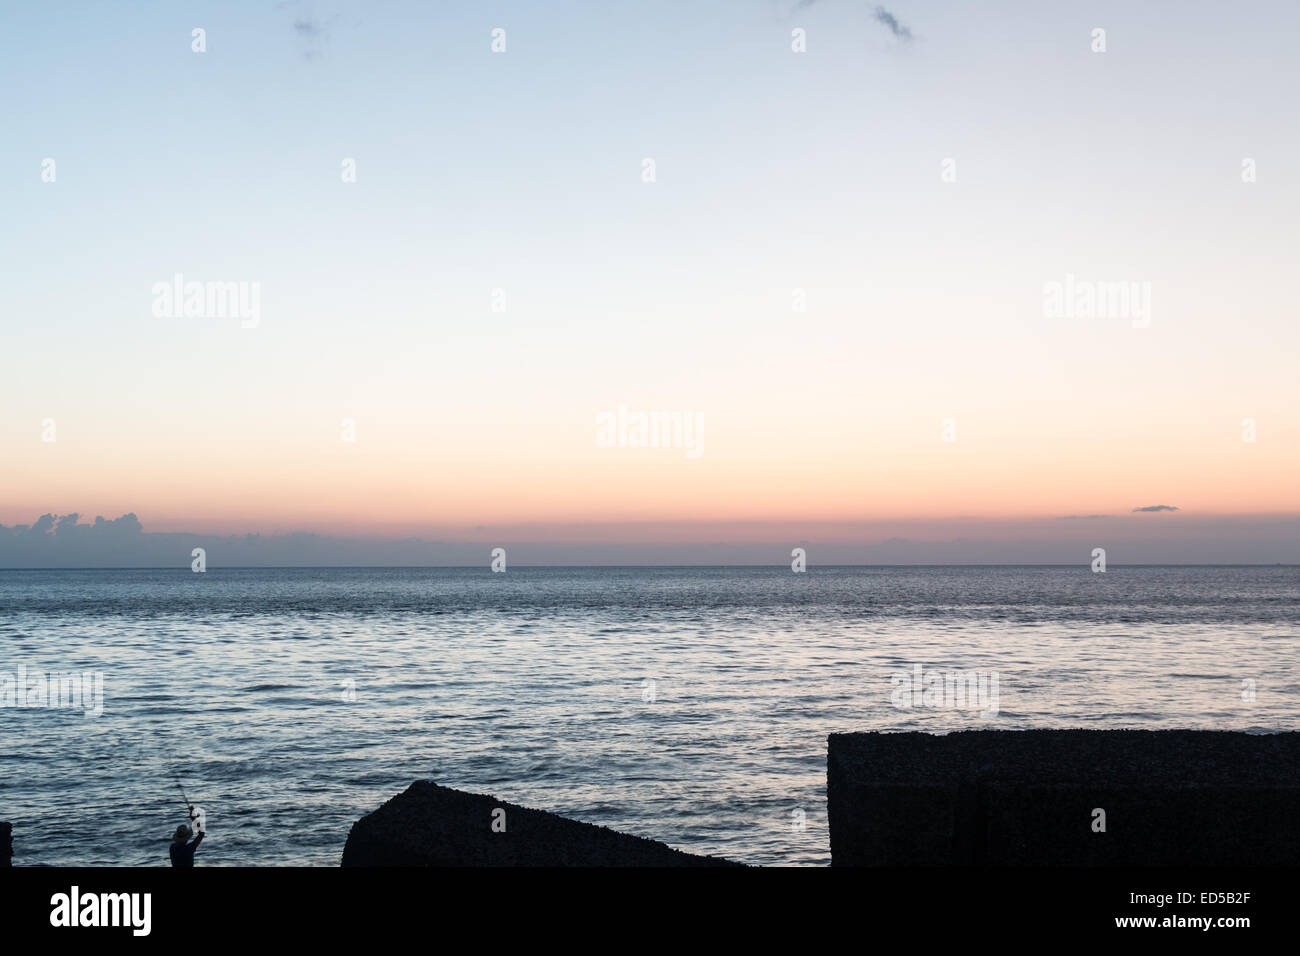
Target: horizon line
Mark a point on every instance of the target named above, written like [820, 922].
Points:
[479, 567]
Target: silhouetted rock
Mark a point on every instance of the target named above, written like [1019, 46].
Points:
[1028, 797]
[429, 825]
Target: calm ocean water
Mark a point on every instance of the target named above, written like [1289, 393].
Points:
[535, 685]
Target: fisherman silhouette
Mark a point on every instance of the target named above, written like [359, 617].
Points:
[182, 853]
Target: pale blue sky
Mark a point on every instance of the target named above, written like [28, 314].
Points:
[522, 171]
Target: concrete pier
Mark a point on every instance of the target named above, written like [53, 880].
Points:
[1032, 797]
[429, 825]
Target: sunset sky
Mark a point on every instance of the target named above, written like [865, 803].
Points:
[779, 176]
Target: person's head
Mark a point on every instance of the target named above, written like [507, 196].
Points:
[182, 834]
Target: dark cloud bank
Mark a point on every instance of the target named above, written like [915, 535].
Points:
[64, 542]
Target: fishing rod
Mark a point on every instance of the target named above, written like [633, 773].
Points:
[176, 779]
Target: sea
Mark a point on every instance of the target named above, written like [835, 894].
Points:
[689, 705]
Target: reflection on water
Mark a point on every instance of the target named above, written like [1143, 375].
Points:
[689, 705]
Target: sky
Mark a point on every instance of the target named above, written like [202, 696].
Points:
[836, 267]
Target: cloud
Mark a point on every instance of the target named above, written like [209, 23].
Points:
[1157, 508]
[308, 30]
[897, 29]
[880, 15]
[52, 541]
[65, 527]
